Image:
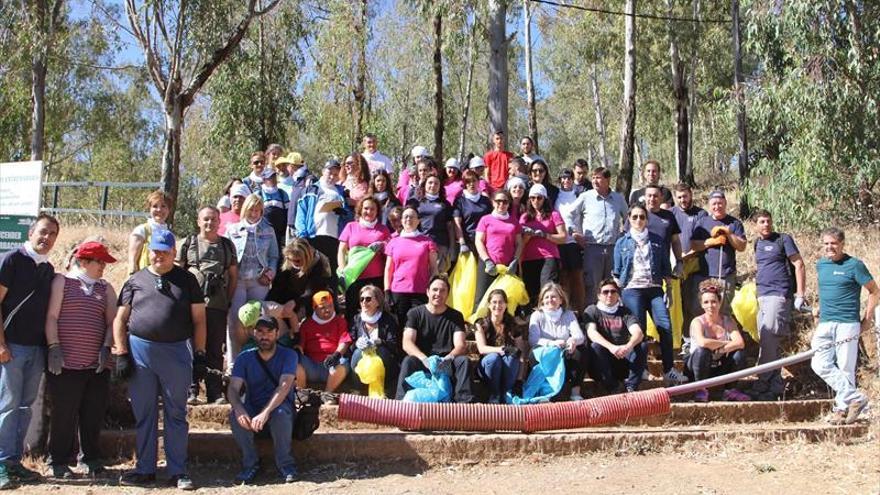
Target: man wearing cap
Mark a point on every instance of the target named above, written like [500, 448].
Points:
[717, 237]
[330, 198]
[213, 261]
[267, 373]
[375, 159]
[496, 160]
[407, 174]
[159, 341]
[275, 205]
[597, 218]
[527, 150]
[324, 341]
[299, 180]
[79, 331]
[238, 194]
[25, 283]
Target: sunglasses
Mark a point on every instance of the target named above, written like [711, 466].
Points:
[606, 292]
[637, 217]
[501, 201]
[257, 162]
[536, 197]
[538, 170]
[349, 163]
[366, 298]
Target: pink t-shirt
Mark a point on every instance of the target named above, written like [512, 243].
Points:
[356, 190]
[410, 259]
[453, 189]
[500, 237]
[355, 234]
[226, 219]
[403, 185]
[539, 248]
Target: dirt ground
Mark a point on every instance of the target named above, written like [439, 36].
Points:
[797, 468]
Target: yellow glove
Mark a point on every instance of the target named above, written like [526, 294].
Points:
[720, 230]
[715, 242]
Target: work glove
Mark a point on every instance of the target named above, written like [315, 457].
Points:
[200, 365]
[332, 360]
[377, 341]
[678, 270]
[445, 365]
[376, 246]
[511, 350]
[490, 268]
[800, 305]
[103, 360]
[720, 230]
[539, 233]
[513, 267]
[715, 242]
[528, 231]
[124, 367]
[363, 343]
[463, 248]
[56, 359]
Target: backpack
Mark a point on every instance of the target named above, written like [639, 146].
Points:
[304, 225]
[789, 267]
[211, 284]
[308, 413]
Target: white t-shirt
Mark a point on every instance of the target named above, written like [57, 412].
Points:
[377, 160]
[140, 230]
[326, 223]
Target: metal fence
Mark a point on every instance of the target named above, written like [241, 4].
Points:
[104, 198]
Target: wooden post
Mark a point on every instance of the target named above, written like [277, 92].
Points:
[105, 194]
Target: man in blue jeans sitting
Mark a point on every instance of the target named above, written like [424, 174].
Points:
[268, 374]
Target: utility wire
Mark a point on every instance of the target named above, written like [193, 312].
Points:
[643, 16]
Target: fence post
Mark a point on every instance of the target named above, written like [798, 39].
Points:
[105, 195]
[55, 196]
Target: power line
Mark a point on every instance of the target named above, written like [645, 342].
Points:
[643, 16]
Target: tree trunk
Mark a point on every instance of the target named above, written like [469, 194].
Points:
[171, 152]
[360, 89]
[498, 76]
[438, 85]
[692, 95]
[739, 94]
[530, 84]
[628, 124]
[462, 133]
[38, 103]
[680, 114]
[600, 118]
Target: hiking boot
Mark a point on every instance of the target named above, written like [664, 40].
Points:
[16, 470]
[675, 376]
[855, 408]
[182, 482]
[62, 472]
[133, 478]
[701, 395]
[6, 482]
[734, 395]
[247, 475]
[837, 418]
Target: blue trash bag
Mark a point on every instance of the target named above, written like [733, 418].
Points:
[429, 387]
[545, 380]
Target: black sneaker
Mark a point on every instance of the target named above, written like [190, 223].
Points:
[62, 472]
[16, 470]
[247, 475]
[6, 482]
[133, 478]
[182, 482]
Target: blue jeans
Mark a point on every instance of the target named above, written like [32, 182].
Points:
[160, 368]
[316, 372]
[19, 385]
[609, 369]
[280, 426]
[498, 372]
[837, 365]
[388, 360]
[643, 301]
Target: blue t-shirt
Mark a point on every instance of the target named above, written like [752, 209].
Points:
[840, 288]
[433, 217]
[686, 220]
[709, 259]
[773, 277]
[470, 213]
[21, 276]
[259, 388]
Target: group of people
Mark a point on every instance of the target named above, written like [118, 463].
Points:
[266, 277]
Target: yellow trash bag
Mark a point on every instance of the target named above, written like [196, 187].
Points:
[676, 315]
[745, 308]
[512, 285]
[371, 371]
[463, 284]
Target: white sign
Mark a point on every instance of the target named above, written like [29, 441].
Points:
[21, 187]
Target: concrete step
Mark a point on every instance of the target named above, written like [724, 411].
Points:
[214, 417]
[438, 449]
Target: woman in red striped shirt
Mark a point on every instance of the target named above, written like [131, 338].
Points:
[79, 333]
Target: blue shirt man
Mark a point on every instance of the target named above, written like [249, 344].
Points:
[268, 373]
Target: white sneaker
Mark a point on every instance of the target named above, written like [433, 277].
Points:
[675, 376]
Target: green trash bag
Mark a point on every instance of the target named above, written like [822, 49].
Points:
[358, 259]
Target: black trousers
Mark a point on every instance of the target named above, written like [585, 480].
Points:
[329, 247]
[461, 378]
[216, 337]
[536, 273]
[79, 400]
[402, 302]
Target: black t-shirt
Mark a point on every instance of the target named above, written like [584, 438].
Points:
[434, 215]
[661, 223]
[434, 332]
[21, 276]
[638, 196]
[161, 314]
[470, 213]
[613, 326]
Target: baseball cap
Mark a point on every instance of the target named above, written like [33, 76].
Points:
[94, 250]
[476, 162]
[320, 297]
[293, 158]
[332, 164]
[419, 151]
[162, 240]
[538, 190]
[249, 313]
[717, 193]
[268, 173]
[515, 181]
[452, 163]
[240, 190]
[267, 322]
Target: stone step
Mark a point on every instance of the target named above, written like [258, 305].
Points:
[216, 417]
[439, 449]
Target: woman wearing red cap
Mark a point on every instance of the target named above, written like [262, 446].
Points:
[79, 333]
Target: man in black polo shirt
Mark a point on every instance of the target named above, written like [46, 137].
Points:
[160, 322]
[435, 329]
[25, 283]
[651, 176]
[616, 349]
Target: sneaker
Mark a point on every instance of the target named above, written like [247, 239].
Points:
[329, 398]
[193, 399]
[855, 408]
[837, 418]
[734, 395]
[61, 472]
[220, 401]
[182, 482]
[92, 469]
[701, 395]
[630, 390]
[16, 470]
[574, 397]
[133, 478]
[289, 474]
[6, 482]
[247, 475]
[675, 376]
